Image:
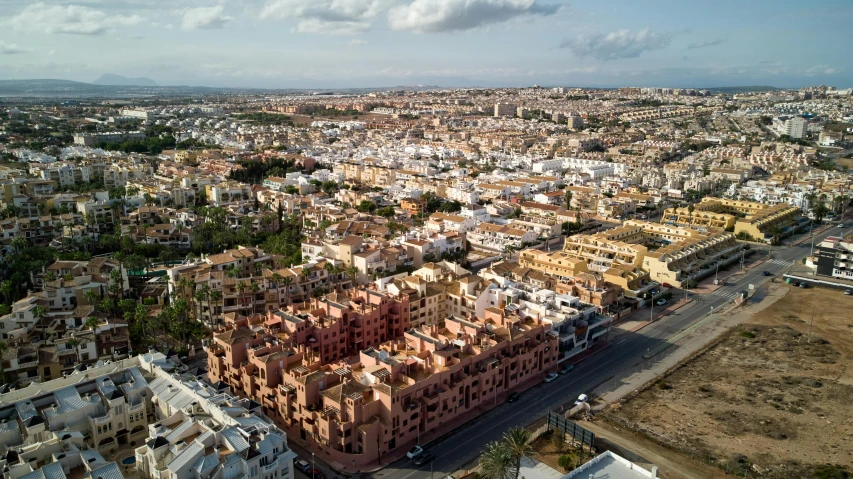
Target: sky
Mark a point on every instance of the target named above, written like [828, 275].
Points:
[380, 43]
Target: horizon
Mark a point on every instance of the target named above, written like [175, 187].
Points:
[328, 44]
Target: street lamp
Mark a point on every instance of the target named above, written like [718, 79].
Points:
[313, 467]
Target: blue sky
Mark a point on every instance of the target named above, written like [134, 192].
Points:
[363, 43]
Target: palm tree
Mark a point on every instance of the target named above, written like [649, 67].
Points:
[215, 295]
[73, 343]
[305, 272]
[92, 323]
[336, 273]
[276, 278]
[6, 288]
[241, 288]
[519, 443]
[38, 313]
[352, 272]
[496, 461]
[254, 288]
[287, 281]
[776, 230]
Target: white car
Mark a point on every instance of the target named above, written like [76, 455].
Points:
[581, 399]
[551, 377]
[415, 452]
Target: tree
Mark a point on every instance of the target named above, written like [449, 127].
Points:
[6, 288]
[819, 210]
[569, 195]
[565, 462]
[3, 348]
[352, 272]
[519, 443]
[366, 206]
[287, 281]
[496, 461]
[776, 230]
[38, 313]
[215, 296]
[73, 343]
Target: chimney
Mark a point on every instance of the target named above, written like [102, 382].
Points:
[654, 472]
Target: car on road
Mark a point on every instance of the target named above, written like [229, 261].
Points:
[302, 465]
[551, 377]
[316, 474]
[581, 399]
[661, 302]
[567, 369]
[425, 458]
[804, 285]
[513, 397]
[667, 285]
[766, 273]
[848, 292]
[842, 226]
[415, 452]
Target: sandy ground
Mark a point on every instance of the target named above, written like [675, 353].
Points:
[767, 400]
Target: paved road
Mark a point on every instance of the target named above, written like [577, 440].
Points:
[462, 447]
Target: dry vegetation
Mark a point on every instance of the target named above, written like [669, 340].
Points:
[768, 400]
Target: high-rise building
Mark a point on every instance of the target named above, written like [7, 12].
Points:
[504, 109]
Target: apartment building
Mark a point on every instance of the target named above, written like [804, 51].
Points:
[205, 433]
[100, 410]
[388, 392]
[505, 109]
[835, 257]
[494, 237]
[757, 220]
[93, 139]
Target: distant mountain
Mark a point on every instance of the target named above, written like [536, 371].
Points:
[118, 80]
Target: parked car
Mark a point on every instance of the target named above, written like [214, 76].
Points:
[661, 302]
[551, 377]
[581, 399]
[316, 474]
[848, 292]
[842, 226]
[795, 284]
[667, 285]
[302, 465]
[804, 285]
[567, 369]
[423, 459]
[415, 452]
[513, 397]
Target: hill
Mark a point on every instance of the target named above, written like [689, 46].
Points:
[118, 80]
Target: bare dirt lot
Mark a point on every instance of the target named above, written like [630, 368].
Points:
[768, 399]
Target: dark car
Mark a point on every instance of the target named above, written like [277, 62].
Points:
[317, 474]
[302, 466]
[424, 459]
[567, 369]
[766, 273]
[804, 285]
[513, 397]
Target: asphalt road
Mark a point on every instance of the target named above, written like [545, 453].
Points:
[462, 447]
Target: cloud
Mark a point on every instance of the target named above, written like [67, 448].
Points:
[706, 43]
[11, 49]
[435, 16]
[355, 42]
[205, 18]
[820, 70]
[330, 17]
[70, 20]
[617, 45]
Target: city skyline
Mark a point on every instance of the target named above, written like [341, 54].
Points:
[380, 43]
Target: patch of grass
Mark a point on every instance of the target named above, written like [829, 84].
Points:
[831, 471]
[747, 334]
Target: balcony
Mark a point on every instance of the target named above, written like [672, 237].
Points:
[103, 419]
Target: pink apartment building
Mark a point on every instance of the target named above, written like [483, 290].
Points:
[348, 376]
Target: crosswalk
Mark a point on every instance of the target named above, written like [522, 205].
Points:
[780, 262]
[725, 294]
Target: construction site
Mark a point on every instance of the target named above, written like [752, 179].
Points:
[768, 399]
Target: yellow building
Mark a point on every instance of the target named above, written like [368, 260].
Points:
[638, 251]
[755, 219]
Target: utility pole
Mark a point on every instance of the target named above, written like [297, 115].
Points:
[742, 254]
[652, 309]
[717, 272]
[811, 322]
